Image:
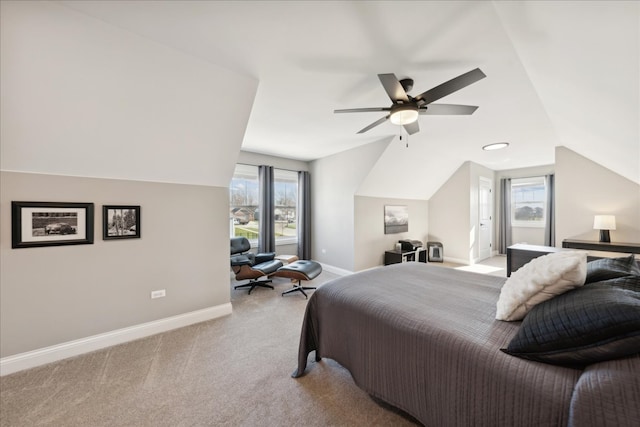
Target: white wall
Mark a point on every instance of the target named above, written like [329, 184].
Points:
[454, 211]
[449, 215]
[257, 159]
[584, 189]
[334, 183]
[84, 99]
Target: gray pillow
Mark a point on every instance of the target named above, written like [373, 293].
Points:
[597, 322]
[610, 268]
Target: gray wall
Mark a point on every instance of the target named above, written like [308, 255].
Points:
[370, 240]
[51, 295]
[584, 189]
[97, 114]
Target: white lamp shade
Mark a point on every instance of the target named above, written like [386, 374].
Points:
[604, 222]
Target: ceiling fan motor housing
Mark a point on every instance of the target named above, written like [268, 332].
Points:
[407, 84]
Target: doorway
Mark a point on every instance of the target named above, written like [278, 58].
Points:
[485, 218]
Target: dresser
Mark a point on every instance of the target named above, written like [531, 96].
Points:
[590, 245]
[520, 254]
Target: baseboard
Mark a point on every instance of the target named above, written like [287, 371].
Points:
[42, 356]
[456, 260]
[336, 270]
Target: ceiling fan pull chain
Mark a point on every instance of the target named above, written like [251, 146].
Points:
[406, 139]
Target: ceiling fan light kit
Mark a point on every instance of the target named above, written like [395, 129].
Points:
[403, 115]
[405, 109]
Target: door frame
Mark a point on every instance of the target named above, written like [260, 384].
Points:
[487, 182]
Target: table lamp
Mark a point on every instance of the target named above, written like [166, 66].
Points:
[604, 223]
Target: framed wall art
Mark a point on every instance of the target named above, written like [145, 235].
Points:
[396, 219]
[35, 224]
[120, 222]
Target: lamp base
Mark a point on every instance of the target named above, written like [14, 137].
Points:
[604, 236]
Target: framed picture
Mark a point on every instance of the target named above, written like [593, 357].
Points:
[36, 224]
[120, 222]
[396, 219]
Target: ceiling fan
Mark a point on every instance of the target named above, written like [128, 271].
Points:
[405, 108]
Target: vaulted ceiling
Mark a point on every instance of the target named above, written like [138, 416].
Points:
[558, 73]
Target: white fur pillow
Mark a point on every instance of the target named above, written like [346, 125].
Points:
[539, 280]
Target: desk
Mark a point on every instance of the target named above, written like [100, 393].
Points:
[396, 257]
[590, 245]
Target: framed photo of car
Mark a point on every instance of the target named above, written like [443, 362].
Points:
[120, 222]
[35, 224]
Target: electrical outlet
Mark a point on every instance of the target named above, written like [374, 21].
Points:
[158, 294]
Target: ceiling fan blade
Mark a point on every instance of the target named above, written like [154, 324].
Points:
[363, 110]
[393, 87]
[376, 123]
[446, 109]
[412, 128]
[451, 86]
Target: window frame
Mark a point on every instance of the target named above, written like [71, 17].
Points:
[250, 171]
[521, 182]
[280, 175]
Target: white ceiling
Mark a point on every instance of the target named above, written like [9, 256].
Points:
[558, 73]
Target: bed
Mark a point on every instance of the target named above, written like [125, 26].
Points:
[424, 339]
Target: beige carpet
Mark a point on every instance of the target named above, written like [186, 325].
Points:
[232, 371]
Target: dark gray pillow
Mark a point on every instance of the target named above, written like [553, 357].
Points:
[626, 282]
[593, 323]
[610, 268]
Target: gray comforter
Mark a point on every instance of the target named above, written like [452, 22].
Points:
[424, 339]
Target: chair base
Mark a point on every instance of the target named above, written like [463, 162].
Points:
[302, 289]
[254, 283]
[298, 271]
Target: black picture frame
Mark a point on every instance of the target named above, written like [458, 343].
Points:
[126, 227]
[396, 219]
[37, 224]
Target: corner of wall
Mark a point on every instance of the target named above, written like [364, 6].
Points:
[585, 188]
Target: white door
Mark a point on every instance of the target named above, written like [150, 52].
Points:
[485, 208]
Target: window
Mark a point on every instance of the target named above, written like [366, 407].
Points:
[243, 203]
[528, 202]
[244, 200]
[285, 209]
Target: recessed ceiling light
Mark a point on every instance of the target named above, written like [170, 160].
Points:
[496, 146]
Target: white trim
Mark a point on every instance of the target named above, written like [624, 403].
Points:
[31, 359]
[336, 270]
[455, 261]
